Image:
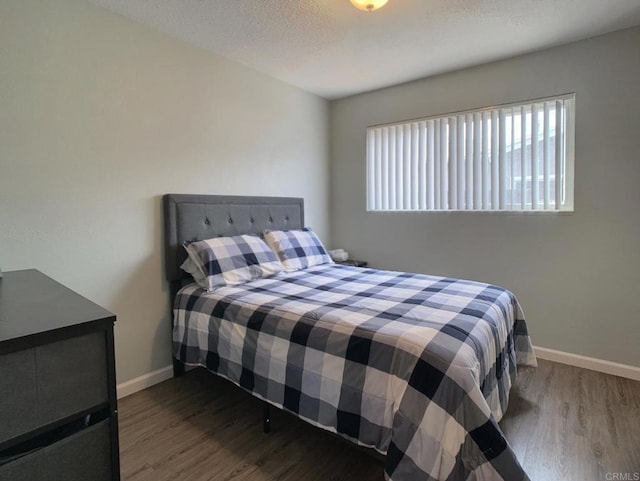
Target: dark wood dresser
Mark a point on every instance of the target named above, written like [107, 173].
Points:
[58, 413]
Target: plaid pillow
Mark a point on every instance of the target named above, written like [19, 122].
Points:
[228, 261]
[297, 249]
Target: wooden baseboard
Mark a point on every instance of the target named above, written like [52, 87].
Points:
[600, 365]
[142, 382]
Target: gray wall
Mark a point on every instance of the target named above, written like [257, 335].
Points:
[576, 275]
[99, 117]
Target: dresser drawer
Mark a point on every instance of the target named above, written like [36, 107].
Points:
[51, 382]
[82, 456]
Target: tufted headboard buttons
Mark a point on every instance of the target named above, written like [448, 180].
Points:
[190, 217]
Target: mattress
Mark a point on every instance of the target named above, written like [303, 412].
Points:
[417, 367]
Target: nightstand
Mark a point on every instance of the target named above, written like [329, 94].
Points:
[353, 262]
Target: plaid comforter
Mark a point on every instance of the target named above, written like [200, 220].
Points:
[415, 366]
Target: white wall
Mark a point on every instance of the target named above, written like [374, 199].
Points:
[576, 275]
[99, 117]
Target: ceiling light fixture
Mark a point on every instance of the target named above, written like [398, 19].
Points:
[368, 5]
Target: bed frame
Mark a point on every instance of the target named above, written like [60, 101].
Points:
[189, 217]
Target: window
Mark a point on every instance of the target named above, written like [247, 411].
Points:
[516, 157]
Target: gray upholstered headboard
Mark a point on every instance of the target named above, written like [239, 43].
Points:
[189, 217]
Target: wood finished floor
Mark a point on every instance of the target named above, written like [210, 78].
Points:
[564, 423]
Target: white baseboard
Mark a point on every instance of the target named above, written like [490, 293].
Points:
[142, 382]
[600, 365]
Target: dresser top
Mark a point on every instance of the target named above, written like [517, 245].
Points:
[32, 303]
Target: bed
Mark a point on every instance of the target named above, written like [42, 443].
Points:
[415, 367]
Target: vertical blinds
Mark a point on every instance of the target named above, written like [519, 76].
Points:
[510, 158]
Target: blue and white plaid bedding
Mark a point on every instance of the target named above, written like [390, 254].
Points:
[415, 366]
[229, 261]
[297, 249]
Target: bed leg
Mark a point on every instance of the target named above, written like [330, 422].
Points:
[178, 368]
[266, 417]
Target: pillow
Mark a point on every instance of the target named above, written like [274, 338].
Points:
[297, 249]
[192, 268]
[228, 261]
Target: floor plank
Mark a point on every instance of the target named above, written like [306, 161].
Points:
[564, 423]
[567, 423]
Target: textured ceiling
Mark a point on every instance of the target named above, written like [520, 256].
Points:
[333, 50]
